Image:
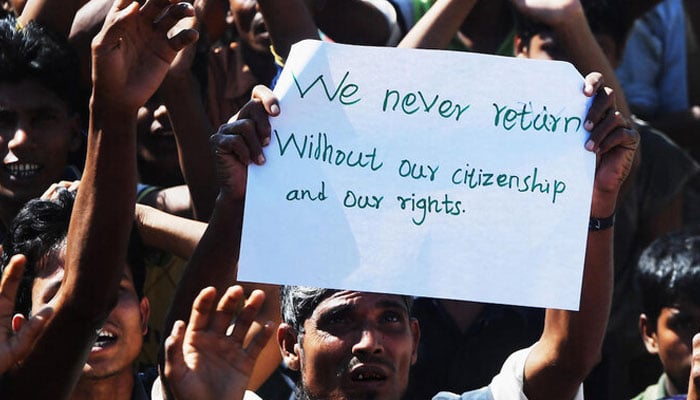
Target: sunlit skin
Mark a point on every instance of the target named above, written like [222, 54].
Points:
[121, 337]
[672, 341]
[356, 345]
[37, 133]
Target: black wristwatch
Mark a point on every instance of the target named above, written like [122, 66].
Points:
[601, 224]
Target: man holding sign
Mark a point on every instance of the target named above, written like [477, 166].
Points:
[353, 344]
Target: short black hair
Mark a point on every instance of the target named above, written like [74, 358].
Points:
[40, 227]
[669, 271]
[299, 302]
[35, 53]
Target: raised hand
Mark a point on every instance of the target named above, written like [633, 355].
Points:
[202, 361]
[133, 51]
[549, 12]
[614, 142]
[15, 346]
[240, 141]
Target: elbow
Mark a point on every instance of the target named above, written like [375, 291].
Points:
[577, 363]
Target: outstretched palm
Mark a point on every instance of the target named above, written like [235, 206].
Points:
[202, 361]
[133, 53]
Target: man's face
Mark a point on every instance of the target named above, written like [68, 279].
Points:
[37, 132]
[357, 346]
[119, 342]
[156, 147]
[250, 24]
[672, 340]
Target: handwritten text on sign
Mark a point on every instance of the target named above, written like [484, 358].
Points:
[421, 172]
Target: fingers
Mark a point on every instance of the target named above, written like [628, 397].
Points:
[240, 139]
[52, 192]
[226, 309]
[260, 340]
[247, 315]
[183, 39]
[22, 342]
[603, 108]
[154, 8]
[592, 82]
[173, 349]
[268, 99]
[11, 278]
[256, 111]
[609, 124]
[203, 304]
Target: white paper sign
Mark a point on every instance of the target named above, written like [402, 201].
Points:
[421, 172]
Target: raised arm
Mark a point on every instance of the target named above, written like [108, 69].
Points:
[569, 24]
[168, 232]
[288, 22]
[439, 25]
[214, 261]
[361, 22]
[57, 15]
[182, 95]
[130, 58]
[571, 342]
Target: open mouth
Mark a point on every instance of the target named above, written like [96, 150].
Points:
[368, 374]
[23, 170]
[104, 339]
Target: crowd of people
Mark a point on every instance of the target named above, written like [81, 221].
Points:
[122, 204]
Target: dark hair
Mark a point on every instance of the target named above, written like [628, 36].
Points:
[299, 302]
[40, 227]
[35, 53]
[605, 17]
[669, 271]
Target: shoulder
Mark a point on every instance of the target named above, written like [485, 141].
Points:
[653, 392]
[480, 394]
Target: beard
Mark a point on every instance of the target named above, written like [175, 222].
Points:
[300, 393]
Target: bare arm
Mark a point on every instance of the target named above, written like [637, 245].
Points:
[438, 26]
[56, 15]
[130, 57]
[568, 21]
[214, 261]
[182, 96]
[352, 21]
[571, 342]
[169, 232]
[288, 22]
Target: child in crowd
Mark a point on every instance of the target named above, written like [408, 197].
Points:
[669, 278]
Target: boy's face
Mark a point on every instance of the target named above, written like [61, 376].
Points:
[37, 132]
[120, 339]
[356, 345]
[672, 340]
